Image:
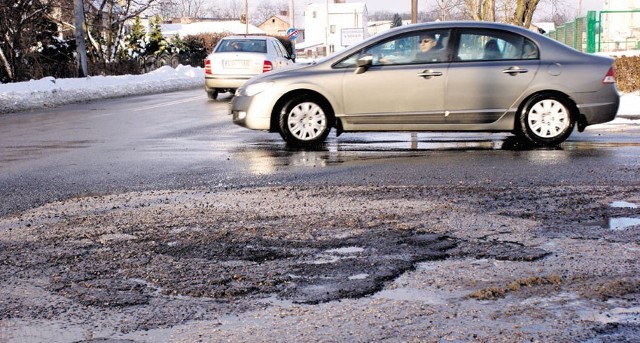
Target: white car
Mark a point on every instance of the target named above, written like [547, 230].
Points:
[236, 59]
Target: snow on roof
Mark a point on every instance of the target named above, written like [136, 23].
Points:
[232, 26]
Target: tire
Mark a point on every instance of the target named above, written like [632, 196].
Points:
[545, 120]
[305, 122]
[213, 94]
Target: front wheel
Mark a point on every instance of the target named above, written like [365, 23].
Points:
[545, 120]
[305, 122]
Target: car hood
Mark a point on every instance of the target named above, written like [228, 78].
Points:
[272, 75]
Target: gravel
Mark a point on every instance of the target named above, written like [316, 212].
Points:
[325, 263]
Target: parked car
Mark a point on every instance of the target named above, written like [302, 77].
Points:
[236, 59]
[485, 77]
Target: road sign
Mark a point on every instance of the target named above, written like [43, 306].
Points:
[292, 33]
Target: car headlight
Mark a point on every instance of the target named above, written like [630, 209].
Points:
[257, 88]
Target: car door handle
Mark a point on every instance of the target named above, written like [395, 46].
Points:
[427, 74]
[514, 71]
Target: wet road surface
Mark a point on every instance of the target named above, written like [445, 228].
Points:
[135, 218]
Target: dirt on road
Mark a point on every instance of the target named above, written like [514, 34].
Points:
[359, 264]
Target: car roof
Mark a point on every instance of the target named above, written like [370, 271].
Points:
[248, 37]
[461, 24]
[438, 25]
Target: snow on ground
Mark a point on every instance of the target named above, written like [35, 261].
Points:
[50, 92]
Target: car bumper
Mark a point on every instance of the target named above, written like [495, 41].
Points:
[211, 82]
[248, 111]
[599, 107]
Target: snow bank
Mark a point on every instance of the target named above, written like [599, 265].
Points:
[49, 92]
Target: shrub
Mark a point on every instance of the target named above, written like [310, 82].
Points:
[628, 73]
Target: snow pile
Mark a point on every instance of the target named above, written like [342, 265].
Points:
[49, 92]
[629, 104]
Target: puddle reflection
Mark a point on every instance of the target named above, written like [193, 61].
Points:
[267, 157]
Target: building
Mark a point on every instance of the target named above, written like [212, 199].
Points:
[276, 25]
[620, 20]
[376, 27]
[332, 26]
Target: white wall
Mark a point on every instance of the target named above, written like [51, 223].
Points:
[341, 16]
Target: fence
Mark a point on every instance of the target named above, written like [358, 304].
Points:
[608, 31]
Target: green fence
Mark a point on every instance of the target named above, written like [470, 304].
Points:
[608, 31]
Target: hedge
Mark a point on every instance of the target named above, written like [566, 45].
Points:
[627, 71]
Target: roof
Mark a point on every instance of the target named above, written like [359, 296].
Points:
[232, 26]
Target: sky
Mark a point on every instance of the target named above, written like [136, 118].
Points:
[50, 92]
[404, 6]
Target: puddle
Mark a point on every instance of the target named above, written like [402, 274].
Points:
[623, 204]
[622, 223]
[413, 295]
[346, 250]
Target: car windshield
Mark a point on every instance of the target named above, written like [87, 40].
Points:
[242, 45]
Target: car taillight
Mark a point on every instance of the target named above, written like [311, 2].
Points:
[267, 66]
[610, 77]
[207, 67]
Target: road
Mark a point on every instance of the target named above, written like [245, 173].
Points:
[154, 218]
[179, 140]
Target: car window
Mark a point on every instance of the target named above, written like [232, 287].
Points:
[487, 45]
[242, 45]
[429, 46]
[279, 48]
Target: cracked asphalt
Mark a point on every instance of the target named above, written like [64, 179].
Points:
[188, 265]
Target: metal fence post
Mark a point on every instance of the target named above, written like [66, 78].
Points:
[591, 31]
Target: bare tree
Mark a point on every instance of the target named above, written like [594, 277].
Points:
[182, 8]
[518, 12]
[266, 9]
[524, 12]
[233, 10]
[447, 9]
[558, 13]
[106, 21]
[481, 10]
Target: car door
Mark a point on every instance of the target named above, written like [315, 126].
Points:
[281, 54]
[397, 91]
[489, 72]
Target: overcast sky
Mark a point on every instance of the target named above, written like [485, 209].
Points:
[404, 6]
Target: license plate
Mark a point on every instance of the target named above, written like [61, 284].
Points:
[235, 64]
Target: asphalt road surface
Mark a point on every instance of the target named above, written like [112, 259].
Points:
[154, 218]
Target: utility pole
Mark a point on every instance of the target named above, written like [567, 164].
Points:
[81, 46]
[246, 16]
[326, 32]
[414, 11]
[292, 22]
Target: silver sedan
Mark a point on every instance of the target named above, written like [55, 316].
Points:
[447, 76]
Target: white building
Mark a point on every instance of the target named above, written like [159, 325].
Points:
[621, 31]
[376, 27]
[332, 26]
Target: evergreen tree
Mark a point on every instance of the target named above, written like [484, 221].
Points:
[397, 20]
[136, 42]
[157, 44]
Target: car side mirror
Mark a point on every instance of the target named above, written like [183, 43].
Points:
[364, 63]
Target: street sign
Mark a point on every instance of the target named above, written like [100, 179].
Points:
[292, 33]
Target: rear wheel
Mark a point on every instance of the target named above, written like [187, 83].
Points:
[305, 122]
[546, 120]
[212, 94]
